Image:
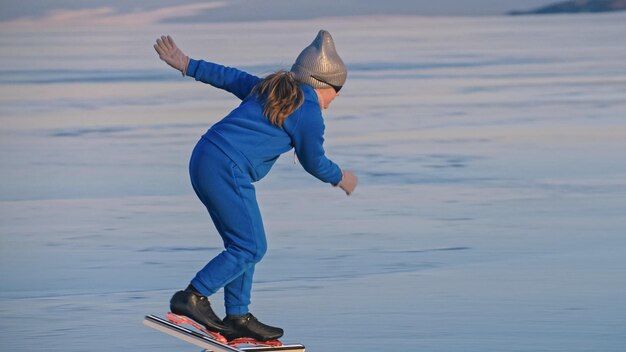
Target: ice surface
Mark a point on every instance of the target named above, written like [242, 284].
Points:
[491, 213]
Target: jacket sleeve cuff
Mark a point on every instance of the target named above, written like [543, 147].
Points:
[336, 181]
[192, 66]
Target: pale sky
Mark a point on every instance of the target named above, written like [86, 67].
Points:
[151, 11]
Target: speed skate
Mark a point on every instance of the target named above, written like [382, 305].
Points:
[212, 342]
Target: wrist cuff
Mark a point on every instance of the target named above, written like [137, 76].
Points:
[337, 184]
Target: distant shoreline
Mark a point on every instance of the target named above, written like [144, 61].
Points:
[575, 6]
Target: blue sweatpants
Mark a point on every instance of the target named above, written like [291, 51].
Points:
[229, 195]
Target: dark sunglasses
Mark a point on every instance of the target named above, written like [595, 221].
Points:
[336, 88]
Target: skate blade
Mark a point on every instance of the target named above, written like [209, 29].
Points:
[248, 341]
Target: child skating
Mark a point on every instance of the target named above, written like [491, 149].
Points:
[277, 113]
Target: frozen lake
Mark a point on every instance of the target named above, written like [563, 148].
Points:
[491, 213]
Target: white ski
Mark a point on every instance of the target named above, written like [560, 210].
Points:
[207, 342]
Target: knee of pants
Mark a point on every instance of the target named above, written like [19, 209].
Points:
[259, 251]
[251, 254]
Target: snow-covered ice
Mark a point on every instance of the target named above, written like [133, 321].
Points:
[491, 213]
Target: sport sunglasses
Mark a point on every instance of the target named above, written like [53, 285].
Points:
[336, 88]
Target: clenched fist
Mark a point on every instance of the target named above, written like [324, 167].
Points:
[348, 182]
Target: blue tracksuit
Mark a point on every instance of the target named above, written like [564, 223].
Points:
[235, 152]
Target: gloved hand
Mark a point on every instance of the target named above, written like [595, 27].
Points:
[348, 182]
[169, 52]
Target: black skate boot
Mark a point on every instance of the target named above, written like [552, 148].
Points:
[249, 326]
[191, 304]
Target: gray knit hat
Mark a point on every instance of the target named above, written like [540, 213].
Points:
[319, 65]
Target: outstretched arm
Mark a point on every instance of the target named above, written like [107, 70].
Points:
[230, 79]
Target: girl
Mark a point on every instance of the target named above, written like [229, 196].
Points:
[277, 113]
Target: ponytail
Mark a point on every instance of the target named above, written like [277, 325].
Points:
[282, 96]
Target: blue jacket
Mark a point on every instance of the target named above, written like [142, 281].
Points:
[251, 141]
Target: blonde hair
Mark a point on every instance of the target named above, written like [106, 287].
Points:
[281, 94]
